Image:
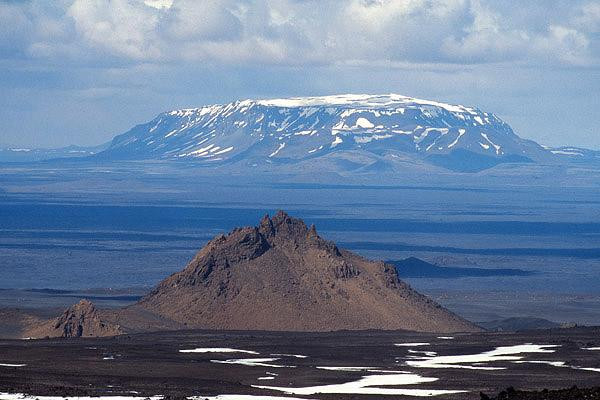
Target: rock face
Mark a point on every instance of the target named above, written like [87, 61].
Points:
[79, 320]
[281, 275]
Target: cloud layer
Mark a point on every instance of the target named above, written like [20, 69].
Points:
[80, 71]
[300, 32]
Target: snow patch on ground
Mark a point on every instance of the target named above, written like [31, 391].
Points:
[364, 100]
[588, 369]
[497, 147]
[370, 138]
[281, 146]
[304, 133]
[253, 362]
[337, 141]
[461, 132]
[289, 355]
[566, 153]
[217, 350]
[21, 396]
[473, 361]
[426, 353]
[350, 369]
[244, 397]
[561, 364]
[364, 123]
[226, 150]
[552, 363]
[370, 385]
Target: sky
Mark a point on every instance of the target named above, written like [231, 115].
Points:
[83, 71]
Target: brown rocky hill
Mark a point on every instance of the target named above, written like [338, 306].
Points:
[281, 275]
[79, 320]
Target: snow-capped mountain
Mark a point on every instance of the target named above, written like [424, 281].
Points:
[293, 129]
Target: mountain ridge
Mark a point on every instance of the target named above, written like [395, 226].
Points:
[366, 133]
[294, 129]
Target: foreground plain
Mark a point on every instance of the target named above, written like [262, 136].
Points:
[395, 363]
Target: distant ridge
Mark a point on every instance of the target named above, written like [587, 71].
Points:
[518, 324]
[413, 267]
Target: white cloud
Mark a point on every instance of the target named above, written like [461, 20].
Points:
[159, 4]
[299, 32]
[565, 44]
[588, 17]
[15, 28]
[121, 27]
[208, 20]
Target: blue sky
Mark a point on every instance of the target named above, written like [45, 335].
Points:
[82, 71]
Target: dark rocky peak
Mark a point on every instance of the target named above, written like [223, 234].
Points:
[222, 252]
[244, 243]
[82, 319]
[79, 320]
[283, 226]
[283, 229]
[251, 242]
[77, 312]
[72, 321]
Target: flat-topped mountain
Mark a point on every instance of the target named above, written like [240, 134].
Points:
[294, 129]
[281, 275]
[341, 133]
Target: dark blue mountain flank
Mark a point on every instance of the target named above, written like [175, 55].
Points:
[517, 324]
[413, 267]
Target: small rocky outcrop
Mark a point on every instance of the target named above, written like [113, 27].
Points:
[79, 320]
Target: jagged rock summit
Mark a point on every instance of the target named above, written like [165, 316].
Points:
[281, 275]
[79, 320]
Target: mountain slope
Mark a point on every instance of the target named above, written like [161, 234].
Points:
[288, 130]
[281, 275]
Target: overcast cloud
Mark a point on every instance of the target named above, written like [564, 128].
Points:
[81, 71]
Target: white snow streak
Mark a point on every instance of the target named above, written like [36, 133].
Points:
[216, 350]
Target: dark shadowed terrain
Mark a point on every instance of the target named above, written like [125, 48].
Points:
[152, 364]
